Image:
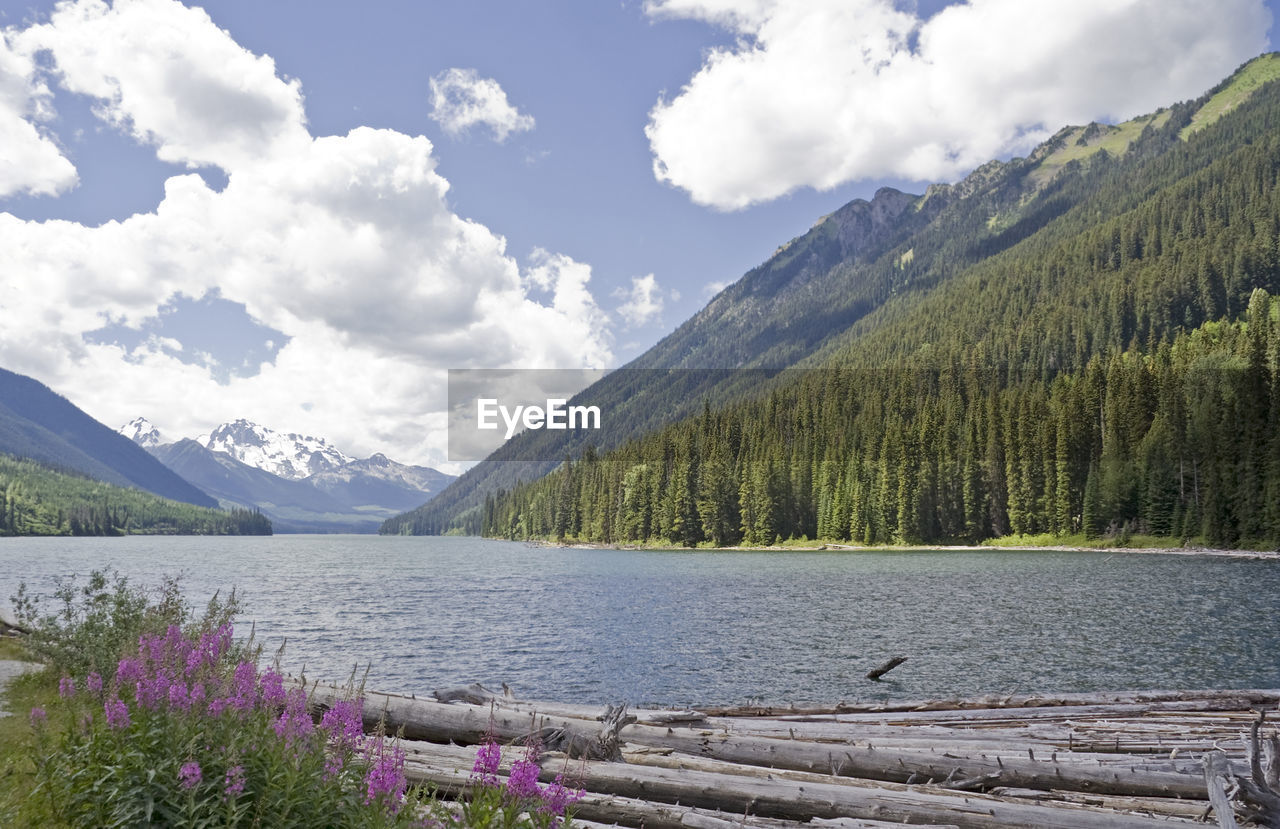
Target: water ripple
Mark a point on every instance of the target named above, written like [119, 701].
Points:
[690, 628]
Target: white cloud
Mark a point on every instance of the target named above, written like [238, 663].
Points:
[345, 244]
[168, 75]
[461, 99]
[31, 162]
[824, 92]
[643, 301]
[712, 288]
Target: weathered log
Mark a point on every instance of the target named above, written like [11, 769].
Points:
[1218, 779]
[858, 823]
[1172, 807]
[8, 628]
[781, 798]
[666, 758]
[604, 746]
[427, 720]
[894, 662]
[1236, 700]
[1257, 791]
[475, 694]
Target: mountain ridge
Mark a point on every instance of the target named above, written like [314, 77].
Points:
[37, 423]
[811, 301]
[1093, 355]
[239, 463]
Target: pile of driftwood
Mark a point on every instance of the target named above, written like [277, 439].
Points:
[1100, 760]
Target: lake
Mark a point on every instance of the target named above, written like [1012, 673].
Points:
[707, 627]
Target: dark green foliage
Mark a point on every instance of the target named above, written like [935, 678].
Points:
[1159, 443]
[999, 270]
[38, 500]
[92, 625]
[1097, 355]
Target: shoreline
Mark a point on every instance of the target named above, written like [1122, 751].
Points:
[1267, 555]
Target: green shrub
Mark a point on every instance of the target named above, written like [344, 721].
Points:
[93, 625]
[185, 733]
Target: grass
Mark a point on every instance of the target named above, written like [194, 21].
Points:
[1239, 87]
[11, 648]
[1133, 542]
[17, 773]
[1114, 138]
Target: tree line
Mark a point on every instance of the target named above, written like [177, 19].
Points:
[36, 499]
[1181, 440]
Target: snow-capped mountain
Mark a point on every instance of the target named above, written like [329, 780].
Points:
[142, 432]
[290, 455]
[302, 483]
[379, 466]
[380, 480]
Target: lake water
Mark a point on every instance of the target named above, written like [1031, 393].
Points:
[698, 628]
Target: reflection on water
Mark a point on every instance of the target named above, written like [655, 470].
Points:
[688, 628]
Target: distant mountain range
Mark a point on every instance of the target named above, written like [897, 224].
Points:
[290, 456]
[302, 482]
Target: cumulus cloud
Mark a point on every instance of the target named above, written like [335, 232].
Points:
[31, 162]
[825, 92]
[461, 99]
[643, 302]
[169, 76]
[345, 244]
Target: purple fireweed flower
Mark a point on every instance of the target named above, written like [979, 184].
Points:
[179, 698]
[333, 766]
[272, 688]
[129, 670]
[217, 705]
[488, 759]
[522, 782]
[233, 782]
[556, 798]
[151, 691]
[117, 713]
[385, 778]
[344, 721]
[151, 647]
[189, 775]
[220, 641]
[38, 717]
[244, 687]
[66, 687]
[93, 682]
[294, 723]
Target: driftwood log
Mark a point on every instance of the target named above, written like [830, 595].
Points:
[447, 768]
[475, 693]
[8, 628]
[876, 673]
[1102, 760]
[1258, 792]
[438, 722]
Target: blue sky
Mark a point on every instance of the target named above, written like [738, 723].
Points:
[349, 237]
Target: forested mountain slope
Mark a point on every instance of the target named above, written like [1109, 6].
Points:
[1112, 369]
[36, 499]
[1103, 238]
[39, 424]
